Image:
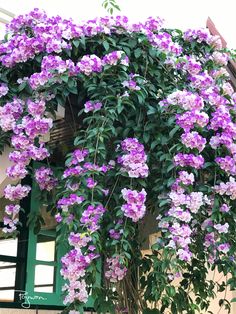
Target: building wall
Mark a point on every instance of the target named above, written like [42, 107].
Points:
[4, 164]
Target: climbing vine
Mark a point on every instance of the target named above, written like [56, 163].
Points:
[156, 138]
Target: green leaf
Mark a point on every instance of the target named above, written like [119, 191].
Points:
[163, 202]
[106, 45]
[174, 130]
[76, 42]
[65, 78]
[137, 52]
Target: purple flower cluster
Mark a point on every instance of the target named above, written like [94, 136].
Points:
[36, 126]
[189, 160]
[163, 41]
[212, 240]
[186, 100]
[74, 265]
[10, 113]
[134, 162]
[115, 234]
[189, 119]
[45, 178]
[36, 34]
[78, 156]
[228, 188]
[191, 65]
[177, 222]
[203, 35]
[78, 240]
[224, 247]
[116, 270]
[193, 140]
[91, 217]
[201, 80]
[79, 176]
[26, 129]
[89, 64]
[227, 164]
[114, 57]
[135, 204]
[220, 58]
[17, 171]
[11, 220]
[131, 83]
[36, 108]
[91, 106]
[52, 67]
[22, 46]
[220, 119]
[17, 192]
[75, 168]
[91, 183]
[72, 199]
[3, 90]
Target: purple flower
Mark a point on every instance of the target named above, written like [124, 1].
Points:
[78, 240]
[222, 228]
[91, 183]
[135, 207]
[45, 178]
[36, 108]
[227, 164]
[91, 217]
[3, 90]
[134, 162]
[58, 218]
[113, 57]
[189, 160]
[12, 210]
[89, 64]
[91, 106]
[209, 239]
[71, 200]
[224, 247]
[17, 192]
[78, 156]
[224, 208]
[114, 234]
[185, 100]
[115, 270]
[193, 140]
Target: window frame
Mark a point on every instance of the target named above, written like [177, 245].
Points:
[26, 258]
[45, 298]
[21, 257]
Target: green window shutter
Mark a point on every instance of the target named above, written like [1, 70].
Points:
[44, 270]
[37, 266]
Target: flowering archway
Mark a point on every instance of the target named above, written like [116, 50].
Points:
[156, 134]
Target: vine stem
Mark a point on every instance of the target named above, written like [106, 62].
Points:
[72, 114]
[224, 297]
[96, 151]
[113, 189]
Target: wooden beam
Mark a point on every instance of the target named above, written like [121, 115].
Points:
[213, 30]
[6, 12]
[4, 21]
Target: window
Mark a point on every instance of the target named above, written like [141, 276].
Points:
[43, 280]
[12, 261]
[31, 264]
